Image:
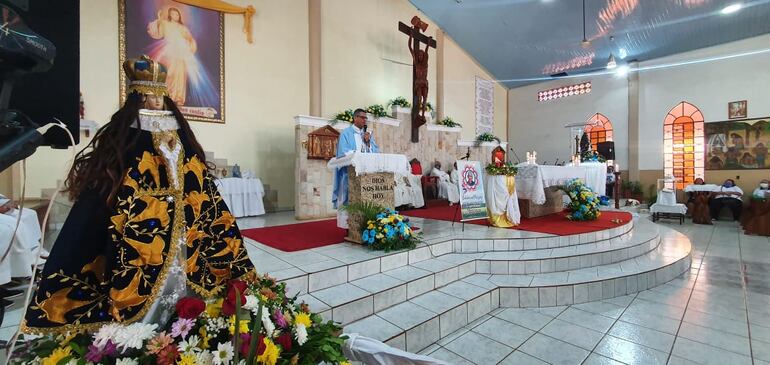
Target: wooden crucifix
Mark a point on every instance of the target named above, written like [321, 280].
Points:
[419, 70]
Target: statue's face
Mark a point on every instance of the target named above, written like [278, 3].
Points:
[153, 102]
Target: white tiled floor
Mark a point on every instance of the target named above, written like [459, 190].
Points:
[715, 314]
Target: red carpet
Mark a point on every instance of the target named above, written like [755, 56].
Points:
[298, 236]
[552, 224]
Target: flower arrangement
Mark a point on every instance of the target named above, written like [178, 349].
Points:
[448, 122]
[400, 101]
[428, 106]
[584, 204]
[254, 323]
[377, 110]
[486, 137]
[389, 231]
[346, 116]
[507, 169]
[383, 228]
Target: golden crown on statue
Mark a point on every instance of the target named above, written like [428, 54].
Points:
[146, 76]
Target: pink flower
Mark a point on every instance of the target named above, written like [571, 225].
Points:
[181, 327]
[159, 342]
[280, 320]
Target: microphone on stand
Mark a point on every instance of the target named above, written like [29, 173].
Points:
[467, 155]
[518, 160]
[557, 162]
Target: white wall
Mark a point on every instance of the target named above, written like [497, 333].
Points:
[539, 126]
[709, 86]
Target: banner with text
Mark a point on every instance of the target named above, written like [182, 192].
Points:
[472, 203]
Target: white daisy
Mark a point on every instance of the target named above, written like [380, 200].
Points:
[300, 333]
[106, 333]
[252, 303]
[224, 353]
[190, 344]
[134, 335]
[204, 357]
[126, 361]
[267, 324]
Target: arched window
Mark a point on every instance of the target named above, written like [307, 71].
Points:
[683, 144]
[599, 129]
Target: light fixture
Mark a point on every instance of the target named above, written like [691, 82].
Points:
[585, 42]
[611, 62]
[622, 71]
[732, 8]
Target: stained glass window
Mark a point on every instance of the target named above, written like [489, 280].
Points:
[683, 144]
[599, 129]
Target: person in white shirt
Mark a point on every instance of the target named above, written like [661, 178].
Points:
[446, 189]
[729, 196]
[762, 191]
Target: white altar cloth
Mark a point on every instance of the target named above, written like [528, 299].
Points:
[242, 195]
[368, 163]
[692, 188]
[532, 180]
[499, 201]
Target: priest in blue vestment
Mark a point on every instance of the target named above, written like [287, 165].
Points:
[352, 139]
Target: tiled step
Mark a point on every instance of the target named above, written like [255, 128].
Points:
[468, 242]
[349, 302]
[641, 240]
[421, 320]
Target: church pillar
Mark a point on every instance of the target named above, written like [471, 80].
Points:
[314, 29]
[439, 74]
[633, 123]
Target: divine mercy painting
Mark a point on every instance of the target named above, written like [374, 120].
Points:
[189, 41]
[738, 144]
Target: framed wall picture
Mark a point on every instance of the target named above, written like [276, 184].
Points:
[189, 41]
[738, 144]
[737, 109]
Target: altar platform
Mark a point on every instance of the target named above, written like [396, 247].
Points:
[414, 299]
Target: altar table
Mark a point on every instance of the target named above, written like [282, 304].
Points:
[532, 180]
[242, 195]
[700, 206]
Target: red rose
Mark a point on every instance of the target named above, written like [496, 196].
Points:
[285, 341]
[190, 308]
[228, 306]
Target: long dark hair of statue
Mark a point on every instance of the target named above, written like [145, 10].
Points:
[101, 165]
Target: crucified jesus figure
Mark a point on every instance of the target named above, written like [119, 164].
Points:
[420, 59]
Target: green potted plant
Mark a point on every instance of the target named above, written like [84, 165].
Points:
[448, 122]
[377, 110]
[344, 116]
[486, 137]
[400, 105]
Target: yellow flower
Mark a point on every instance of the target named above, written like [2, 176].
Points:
[370, 226]
[345, 363]
[57, 356]
[213, 309]
[384, 220]
[303, 318]
[204, 344]
[243, 328]
[188, 359]
[270, 356]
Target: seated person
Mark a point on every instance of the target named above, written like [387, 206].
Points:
[729, 196]
[762, 192]
[691, 196]
[446, 189]
[408, 191]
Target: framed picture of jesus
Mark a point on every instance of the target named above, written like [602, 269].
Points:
[189, 41]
